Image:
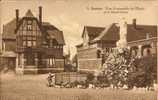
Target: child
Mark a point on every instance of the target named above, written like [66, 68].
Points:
[50, 80]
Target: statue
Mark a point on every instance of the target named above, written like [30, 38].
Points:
[122, 43]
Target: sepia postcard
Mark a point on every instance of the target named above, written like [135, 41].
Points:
[78, 49]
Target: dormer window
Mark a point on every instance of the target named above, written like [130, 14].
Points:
[53, 43]
[29, 25]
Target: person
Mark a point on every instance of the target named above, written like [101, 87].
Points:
[50, 79]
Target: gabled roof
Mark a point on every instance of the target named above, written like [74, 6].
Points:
[53, 32]
[58, 35]
[8, 30]
[92, 30]
[29, 14]
[140, 32]
[47, 28]
[111, 32]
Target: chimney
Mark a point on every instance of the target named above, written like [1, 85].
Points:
[40, 14]
[17, 17]
[134, 23]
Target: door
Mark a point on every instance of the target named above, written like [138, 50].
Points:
[30, 57]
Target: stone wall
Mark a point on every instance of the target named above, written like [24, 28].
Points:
[87, 53]
[87, 59]
[89, 64]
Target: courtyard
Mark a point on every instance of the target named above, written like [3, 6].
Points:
[33, 87]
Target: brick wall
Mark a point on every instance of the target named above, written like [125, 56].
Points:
[88, 56]
[59, 63]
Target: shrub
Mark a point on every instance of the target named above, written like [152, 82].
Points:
[116, 67]
[90, 77]
[141, 76]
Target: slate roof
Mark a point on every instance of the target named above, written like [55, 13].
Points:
[46, 27]
[111, 32]
[93, 30]
[53, 32]
[58, 35]
[140, 32]
[8, 30]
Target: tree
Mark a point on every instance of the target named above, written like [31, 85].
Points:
[141, 76]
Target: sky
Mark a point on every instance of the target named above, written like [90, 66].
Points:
[71, 16]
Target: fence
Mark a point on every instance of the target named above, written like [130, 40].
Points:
[68, 77]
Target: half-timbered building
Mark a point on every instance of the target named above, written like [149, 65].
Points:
[38, 45]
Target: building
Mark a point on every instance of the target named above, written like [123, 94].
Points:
[32, 45]
[99, 41]
[8, 54]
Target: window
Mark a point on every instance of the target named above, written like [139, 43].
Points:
[34, 43]
[53, 43]
[24, 43]
[29, 25]
[29, 41]
[29, 44]
[51, 61]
